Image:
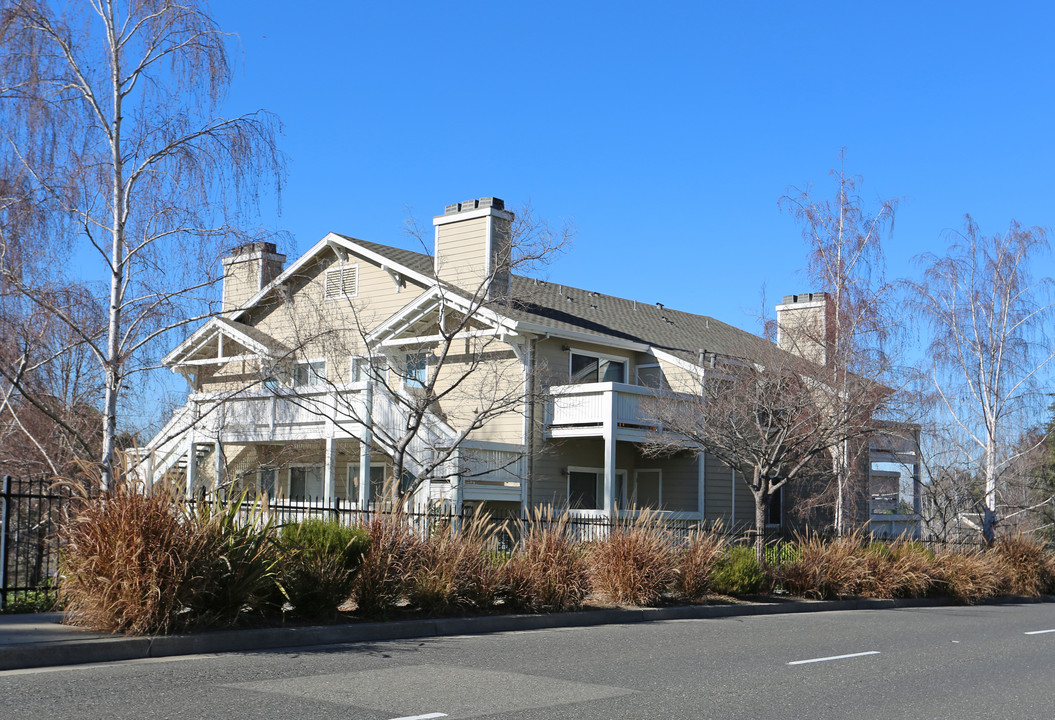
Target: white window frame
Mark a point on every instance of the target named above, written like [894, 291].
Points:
[658, 366]
[637, 472]
[599, 472]
[411, 381]
[307, 497]
[600, 356]
[339, 273]
[353, 472]
[368, 360]
[312, 374]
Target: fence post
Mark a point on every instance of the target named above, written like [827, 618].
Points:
[5, 506]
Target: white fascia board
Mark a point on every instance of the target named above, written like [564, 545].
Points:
[204, 334]
[427, 339]
[489, 317]
[329, 242]
[677, 361]
[545, 330]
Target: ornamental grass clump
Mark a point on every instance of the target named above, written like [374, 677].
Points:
[969, 577]
[1026, 565]
[320, 559]
[696, 561]
[381, 585]
[824, 569]
[140, 562]
[457, 569]
[635, 563]
[547, 572]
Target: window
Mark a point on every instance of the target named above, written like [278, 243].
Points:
[377, 482]
[586, 487]
[646, 489]
[265, 481]
[651, 376]
[306, 374]
[417, 370]
[305, 483]
[591, 368]
[369, 368]
[342, 281]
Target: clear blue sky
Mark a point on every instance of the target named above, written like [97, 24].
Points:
[666, 132]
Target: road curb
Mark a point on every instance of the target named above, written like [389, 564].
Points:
[97, 650]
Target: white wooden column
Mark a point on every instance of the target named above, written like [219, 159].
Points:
[192, 466]
[608, 413]
[364, 446]
[219, 468]
[701, 499]
[329, 472]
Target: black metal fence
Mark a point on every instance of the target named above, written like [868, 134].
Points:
[31, 510]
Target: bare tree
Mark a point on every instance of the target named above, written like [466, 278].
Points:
[846, 261]
[989, 349]
[772, 419]
[110, 116]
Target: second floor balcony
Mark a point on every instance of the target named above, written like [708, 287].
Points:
[593, 409]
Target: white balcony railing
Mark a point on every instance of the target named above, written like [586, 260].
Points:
[595, 404]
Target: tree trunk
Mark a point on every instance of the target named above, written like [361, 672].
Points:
[761, 513]
[989, 512]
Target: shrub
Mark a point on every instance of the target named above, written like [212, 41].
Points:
[634, 564]
[456, 569]
[318, 564]
[910, 571]
[737, 572]
[824, 569]
[382, 580]
[696, 563]
[970, 576]
[128, 562]
[30, 601]
[1025, 565]
[547, 573]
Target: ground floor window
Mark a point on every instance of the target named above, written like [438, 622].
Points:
[377, 482]
[305, 483]
[645, 490]
[586, 487]
[265, 481]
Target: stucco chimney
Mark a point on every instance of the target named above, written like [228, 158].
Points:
[805, 325]
[473, 240]
[246, 270]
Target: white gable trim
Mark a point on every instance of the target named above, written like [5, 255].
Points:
[334, 242]
[429, 301]
[205, 333]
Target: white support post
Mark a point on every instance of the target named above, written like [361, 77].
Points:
[329, 472]
[701, 498]
[608, 413]
[364, 446]
[148, 472]
[192, 466]
[219, 468]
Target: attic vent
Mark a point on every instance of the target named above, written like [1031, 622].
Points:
[342, 281]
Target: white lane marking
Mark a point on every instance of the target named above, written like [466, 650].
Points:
[834, 657]
[1040, 632]
[422, 717]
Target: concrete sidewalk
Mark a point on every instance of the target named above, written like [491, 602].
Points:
[28, 641]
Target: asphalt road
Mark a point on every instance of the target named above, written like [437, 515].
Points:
[984, 662]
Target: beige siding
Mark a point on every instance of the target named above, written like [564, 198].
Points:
[497, 379]
[461, 252]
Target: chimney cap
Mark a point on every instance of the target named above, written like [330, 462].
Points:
[484, 202]
[804, 298]
[253, 247]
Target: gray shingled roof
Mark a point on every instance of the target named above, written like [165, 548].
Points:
[563, 307]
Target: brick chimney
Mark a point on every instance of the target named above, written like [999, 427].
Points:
[805, 325]
[246, 270]
[473, 246]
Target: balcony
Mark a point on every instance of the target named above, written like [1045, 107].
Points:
[587, 410]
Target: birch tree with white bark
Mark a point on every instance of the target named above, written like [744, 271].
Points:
[111, 115]
[991, 351]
